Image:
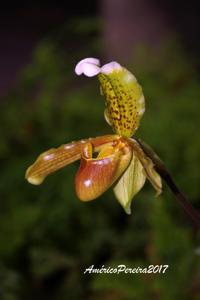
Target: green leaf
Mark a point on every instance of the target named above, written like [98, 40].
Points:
[148, 166]
[130, 184]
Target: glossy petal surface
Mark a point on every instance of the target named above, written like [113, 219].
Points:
[57, 158]
[96, 175]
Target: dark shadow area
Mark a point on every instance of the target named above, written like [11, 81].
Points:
[48, 238]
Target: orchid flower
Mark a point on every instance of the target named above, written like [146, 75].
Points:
[120, 161]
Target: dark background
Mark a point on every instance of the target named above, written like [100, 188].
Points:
[47, 236]
[26, 23]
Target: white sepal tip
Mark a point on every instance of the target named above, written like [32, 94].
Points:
[110, 67]
[89, 67]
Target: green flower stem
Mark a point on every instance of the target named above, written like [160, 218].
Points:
[161, 169]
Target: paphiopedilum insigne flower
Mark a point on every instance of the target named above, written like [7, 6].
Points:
[120, 160]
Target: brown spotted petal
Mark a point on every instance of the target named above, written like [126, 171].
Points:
[57, 158]
[96, 175]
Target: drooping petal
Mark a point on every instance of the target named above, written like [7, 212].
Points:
[56, 158]
[148, 166]
[125, 103]
[52, 160]
[96, 175]
[130, 184]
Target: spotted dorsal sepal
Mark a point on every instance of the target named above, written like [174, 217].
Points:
[125, 103]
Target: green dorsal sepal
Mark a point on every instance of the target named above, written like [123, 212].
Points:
[125, 103]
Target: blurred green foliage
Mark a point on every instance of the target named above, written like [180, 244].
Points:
[48, 237]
